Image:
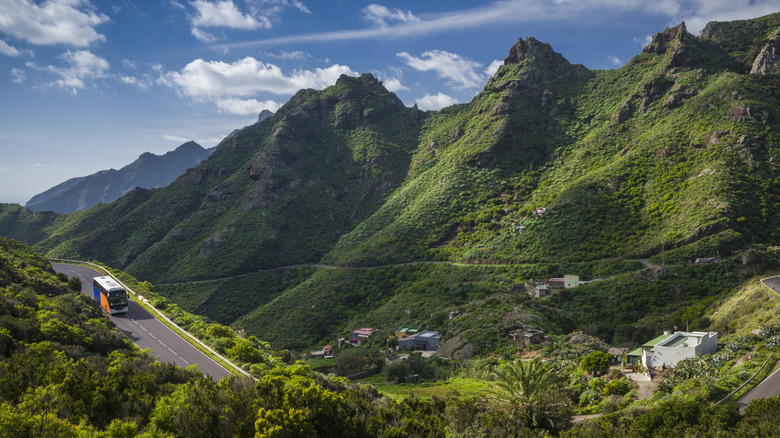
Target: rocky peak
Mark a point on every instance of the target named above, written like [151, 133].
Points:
[264, 114]
[532, 64]
[662, 40]
[768, 60]
[189, 146]
[533, 51]
[679, 50]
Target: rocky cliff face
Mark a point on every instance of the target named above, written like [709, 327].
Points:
[768, 60]
[149, 171]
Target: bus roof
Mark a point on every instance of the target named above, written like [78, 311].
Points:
[108, 283]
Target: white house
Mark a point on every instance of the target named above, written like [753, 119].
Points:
[668, 349]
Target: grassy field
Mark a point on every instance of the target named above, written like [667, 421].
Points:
[747, 308]
[457, 385]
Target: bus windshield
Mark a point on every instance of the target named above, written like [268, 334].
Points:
[117, 298]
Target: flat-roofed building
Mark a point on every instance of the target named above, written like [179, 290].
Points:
[668, 349]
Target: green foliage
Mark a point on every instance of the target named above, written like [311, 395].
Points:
[413, 365]
[616, 387]
[596, 362]
[532, 391]
[351, 360]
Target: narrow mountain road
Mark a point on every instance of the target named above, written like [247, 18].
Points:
[769, 387]
[773, 284]
[147, 332]
[645, 262]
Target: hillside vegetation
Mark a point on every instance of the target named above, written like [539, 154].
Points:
[66, 371]
[677, 151]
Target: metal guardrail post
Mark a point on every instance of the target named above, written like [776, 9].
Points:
[746, 382]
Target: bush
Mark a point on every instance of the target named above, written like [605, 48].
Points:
[350, 361]
[596, 362]
[397, 371]
[616, 387]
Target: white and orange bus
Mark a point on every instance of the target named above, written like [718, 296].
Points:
[110, 295]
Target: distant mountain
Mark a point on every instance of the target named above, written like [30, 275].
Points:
[149, 171]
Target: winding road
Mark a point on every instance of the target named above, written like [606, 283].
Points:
[769, 387]
[147, 332]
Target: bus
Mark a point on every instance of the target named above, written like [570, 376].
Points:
[110, 295]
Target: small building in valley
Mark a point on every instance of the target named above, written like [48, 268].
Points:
[527, 336]
[666, 350]
[426, 340]
[537, 290]
[326, 352]
[407, 331]
[567, 282]
[357, 335]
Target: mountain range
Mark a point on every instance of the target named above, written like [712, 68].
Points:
[347, 208]
[149, 171]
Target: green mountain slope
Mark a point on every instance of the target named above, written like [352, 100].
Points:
[279, 192]
[675, 146]
[552, 168]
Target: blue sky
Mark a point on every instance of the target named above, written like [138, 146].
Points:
[87, 85]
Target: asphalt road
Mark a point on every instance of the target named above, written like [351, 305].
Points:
[147, 332]
[770, 387]
[774, 284]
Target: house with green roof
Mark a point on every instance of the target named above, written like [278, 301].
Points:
[408, 331]
[666, 350]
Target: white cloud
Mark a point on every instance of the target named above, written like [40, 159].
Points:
[297, 5]
[45, 166]
[461, 72]
[3, 168]
[643, 41]
[176, 138]
[246, 77]
[696, 13]
[493, 67]
[128, 64]
[19, 75]
[224, 13]
[183, 138]
[82, 66]
[434, 102]
[296, 55]
[380, 15]
[233, 87]
[5, 49]
[394, 84]
[203, 35]
[615, 60]
[245, 107]
[140, 83]
[69, 22]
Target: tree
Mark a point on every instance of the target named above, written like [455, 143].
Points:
[350, 361]
[596, 362]
[532, 390]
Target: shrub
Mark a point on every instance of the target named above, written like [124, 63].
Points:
[616, 387]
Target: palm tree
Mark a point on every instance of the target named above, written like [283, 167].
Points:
[532, 389]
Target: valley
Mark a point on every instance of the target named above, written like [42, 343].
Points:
[313, 246]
